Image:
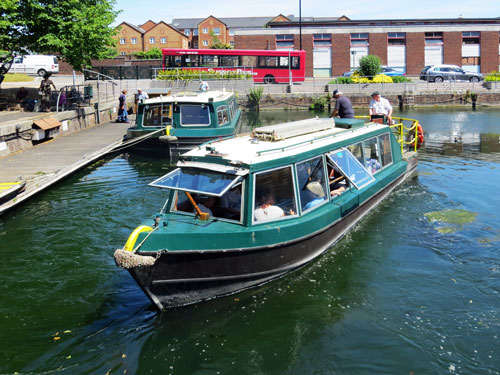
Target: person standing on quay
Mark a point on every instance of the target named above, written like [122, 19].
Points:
[343, 106]
[45, 92]
[122, 110]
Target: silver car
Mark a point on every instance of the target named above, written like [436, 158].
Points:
[440, 73]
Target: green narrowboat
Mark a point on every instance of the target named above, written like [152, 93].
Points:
[242, 211]
[175, 123]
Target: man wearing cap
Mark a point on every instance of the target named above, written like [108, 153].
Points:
[141, 95]
[343, 106]
[380, 106]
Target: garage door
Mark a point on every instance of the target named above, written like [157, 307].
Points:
[322, 61]
[433, 55]
[396, 57]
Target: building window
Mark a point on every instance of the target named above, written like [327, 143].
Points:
[195, 32]
[187, 32]
[322, 40]
[163, 40]
[216, 30]
[122, 40]
[231, 32]
[205, 43]
[433, 38]
[134, 40]
[205, 30]
[396, 39]
[152, 40]
[122, 53]
[359, 39]
[471, 61]
[231, 43]
[470, 37]
[284, 41]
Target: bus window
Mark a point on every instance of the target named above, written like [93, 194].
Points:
[249, 61]
[268, 61]
[284, 61]
[295, 62]
[190, 61]
[209, 60]
[229, 61]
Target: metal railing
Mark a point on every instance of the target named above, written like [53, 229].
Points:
[71, 97]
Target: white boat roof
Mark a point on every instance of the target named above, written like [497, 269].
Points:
[246, 149]
[192, 97]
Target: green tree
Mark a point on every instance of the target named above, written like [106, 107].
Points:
[78, 30]
[217, 44]
[369, 65]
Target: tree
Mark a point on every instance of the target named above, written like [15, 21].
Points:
[369, 66]
[217, 44]
[78, 30]
[151, 54]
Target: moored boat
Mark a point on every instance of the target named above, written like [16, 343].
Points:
[8, 190]
[176, 123]
[243, 211]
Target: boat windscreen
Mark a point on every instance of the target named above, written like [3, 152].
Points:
[197, 181]
[351, 168]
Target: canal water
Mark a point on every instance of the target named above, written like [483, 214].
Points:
[412, 289]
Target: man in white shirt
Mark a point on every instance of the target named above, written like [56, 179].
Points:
[380, 106]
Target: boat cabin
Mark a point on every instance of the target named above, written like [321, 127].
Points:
[282, 172]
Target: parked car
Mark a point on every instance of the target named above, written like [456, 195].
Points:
[385, 70]
[440, 73]
[35, 64]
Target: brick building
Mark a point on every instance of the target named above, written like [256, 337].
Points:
[132, 39]
[335, 46]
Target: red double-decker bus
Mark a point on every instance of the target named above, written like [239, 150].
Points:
[267, 66]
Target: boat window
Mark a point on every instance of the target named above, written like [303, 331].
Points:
[311, 179]
[351, 168]
[222, 117]
[385, 148]
[274, 195]
[158, 115]
[195, 114]
[337, 182]
[357, 150]
[372, 157]
[197, 181]
[226, 207]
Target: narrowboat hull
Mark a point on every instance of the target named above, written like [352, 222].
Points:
[185, 277]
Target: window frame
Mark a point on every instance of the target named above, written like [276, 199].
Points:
[181, 106]
[152, 40]
[326, 189]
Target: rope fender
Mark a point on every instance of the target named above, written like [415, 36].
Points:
[127, 259]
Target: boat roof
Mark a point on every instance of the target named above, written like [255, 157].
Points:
[291, 139]
[192, 97]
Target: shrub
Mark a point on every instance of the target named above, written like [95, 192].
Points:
[193, 74]
[319, 103]
[369, 66]
[493, 76]
[341, 80]
[254, 96]
[400, 79]
[382, 78]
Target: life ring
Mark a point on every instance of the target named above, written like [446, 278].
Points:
[129, 245]
[420, 135]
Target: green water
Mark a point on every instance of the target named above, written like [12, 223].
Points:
[397, 295]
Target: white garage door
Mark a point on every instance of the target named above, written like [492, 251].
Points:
[356, 54]
[396, 57]
[322, 61]
[433, 55]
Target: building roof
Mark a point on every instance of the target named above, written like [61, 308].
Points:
[231, 22]
[142, 31]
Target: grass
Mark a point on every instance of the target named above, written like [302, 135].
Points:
[18, 77]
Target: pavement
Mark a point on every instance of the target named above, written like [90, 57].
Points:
[47, 163]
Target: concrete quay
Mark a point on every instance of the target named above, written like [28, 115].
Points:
[45, 164]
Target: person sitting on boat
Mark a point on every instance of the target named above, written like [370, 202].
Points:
[266, 209]
[206, 205]
[230, 203]
[318, 193]
[380, 106]
[338, 183]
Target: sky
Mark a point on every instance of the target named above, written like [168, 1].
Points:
[138, 12]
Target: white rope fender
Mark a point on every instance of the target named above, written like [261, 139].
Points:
[127, 259]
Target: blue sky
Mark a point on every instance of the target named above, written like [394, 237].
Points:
[138, 12]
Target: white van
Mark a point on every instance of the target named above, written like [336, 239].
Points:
[35, 64]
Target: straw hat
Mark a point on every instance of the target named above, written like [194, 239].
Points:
[316, 188]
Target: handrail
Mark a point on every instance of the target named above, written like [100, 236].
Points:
[100, 74]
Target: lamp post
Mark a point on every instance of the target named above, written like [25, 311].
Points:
[300, 25]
